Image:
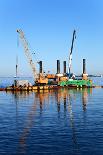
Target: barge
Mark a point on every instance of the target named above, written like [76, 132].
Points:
[61, 84]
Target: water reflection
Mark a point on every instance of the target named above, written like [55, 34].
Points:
[42, 98]
[63, 101]
[85, 93]
[72, 122]
[28, 125]
[20, 96]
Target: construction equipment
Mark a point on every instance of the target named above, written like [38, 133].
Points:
[76, 83]
[70, 55]
[39, 78]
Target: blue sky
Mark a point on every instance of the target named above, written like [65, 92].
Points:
[48, 26]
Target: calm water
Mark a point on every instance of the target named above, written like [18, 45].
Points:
[57, 122]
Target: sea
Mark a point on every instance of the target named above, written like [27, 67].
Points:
[51, 122]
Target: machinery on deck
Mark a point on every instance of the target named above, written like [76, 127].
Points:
[38, 78]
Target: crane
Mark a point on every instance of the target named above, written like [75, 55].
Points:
[70, 55]
[27, 52]
[38, 78]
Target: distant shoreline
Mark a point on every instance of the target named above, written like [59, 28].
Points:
[90, 75]
[32, 77]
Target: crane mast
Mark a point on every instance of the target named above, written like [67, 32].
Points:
[27, 53]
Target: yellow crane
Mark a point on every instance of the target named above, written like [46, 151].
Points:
[39, 78]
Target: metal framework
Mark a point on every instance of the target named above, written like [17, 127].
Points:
[71, 50]
[27, 52]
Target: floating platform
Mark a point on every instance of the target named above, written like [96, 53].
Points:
[39, 88]
[69, 84]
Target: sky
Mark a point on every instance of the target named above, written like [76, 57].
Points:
[48, 26]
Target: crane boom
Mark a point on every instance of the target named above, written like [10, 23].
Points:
[70, 55]
[27, 52]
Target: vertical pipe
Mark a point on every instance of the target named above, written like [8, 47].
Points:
[16, 70]
[84, 66]
[64, 66]
[58, 66]
[41, 70]
[16, 66]
[15, 83]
